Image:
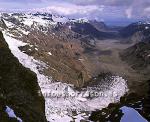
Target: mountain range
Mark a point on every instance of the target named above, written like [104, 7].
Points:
[42, 55]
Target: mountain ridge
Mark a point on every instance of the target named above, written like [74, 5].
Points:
[19, 88]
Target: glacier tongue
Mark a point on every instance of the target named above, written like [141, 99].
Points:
[61, 98]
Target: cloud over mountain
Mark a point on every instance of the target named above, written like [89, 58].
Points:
[133, 9]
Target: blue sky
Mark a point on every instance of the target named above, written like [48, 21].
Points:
[96, 9]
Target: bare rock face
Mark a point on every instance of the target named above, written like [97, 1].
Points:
[18, 89]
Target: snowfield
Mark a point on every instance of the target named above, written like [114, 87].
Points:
[131, 115]
[61, 98]
[11, 113]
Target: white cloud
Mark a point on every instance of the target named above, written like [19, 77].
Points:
[128, 12]
[147, 12]
[71, 9]
[147, 9]
[100, 9]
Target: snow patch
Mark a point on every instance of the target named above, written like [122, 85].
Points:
[146, 27]
[56, 118]
[25, 32]
[11, 113]
[8, 24]
[49, 53]
[131, 115]
[59, 19]
[36, 49]
[30, 20]
[70, 27]
[80, 20]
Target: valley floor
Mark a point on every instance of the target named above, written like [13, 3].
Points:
[107, 58]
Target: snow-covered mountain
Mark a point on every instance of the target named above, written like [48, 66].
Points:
[52, 47]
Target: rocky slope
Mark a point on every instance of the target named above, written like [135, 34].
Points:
[135, 32]
[50, 45]
[60, 42]
[89, 29]
[18, 89]
[138, 56]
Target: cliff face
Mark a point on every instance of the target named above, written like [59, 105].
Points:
[18, 89]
